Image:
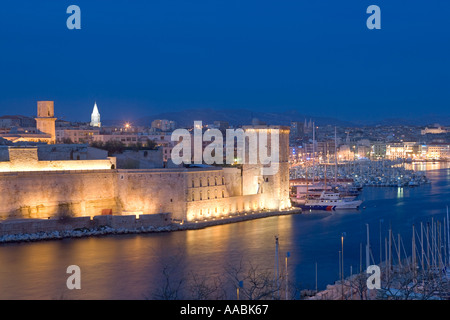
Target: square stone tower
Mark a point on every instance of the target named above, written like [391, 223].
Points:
[275, 187]
[45, 121]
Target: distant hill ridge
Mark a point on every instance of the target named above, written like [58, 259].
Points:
[236, 117]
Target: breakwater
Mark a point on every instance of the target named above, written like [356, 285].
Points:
[47, 229]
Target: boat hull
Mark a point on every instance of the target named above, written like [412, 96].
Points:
[318, 207]
[341, 206]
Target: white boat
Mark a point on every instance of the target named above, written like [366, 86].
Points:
[330, 201]
[413, 183]
[303, 191]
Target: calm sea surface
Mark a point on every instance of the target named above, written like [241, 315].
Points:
[130, 266]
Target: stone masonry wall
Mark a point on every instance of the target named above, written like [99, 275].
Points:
[56, 193]
[31, 226]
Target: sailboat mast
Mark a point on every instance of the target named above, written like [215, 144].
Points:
[428, 244]
[421, 244]
[335, 157]
[314, 150]
[414, 251]
[390, 251]
[277, 274]
[448, 240]
[367, 248]
[307, 182]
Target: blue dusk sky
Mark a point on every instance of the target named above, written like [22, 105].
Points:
[142, 57]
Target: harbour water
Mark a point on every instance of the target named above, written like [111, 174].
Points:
[130, 266]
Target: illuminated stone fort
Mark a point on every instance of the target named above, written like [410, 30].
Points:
[35, 185]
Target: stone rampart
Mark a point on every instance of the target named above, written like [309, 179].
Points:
[129, 222]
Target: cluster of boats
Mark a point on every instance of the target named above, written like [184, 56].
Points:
[409, 180]
[353, 177]
[383, 173]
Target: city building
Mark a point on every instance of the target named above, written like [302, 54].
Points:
[127, 138]
[43, 132]
[437, 151]
[76, 135]
[297, 129]
[346, 153]
[378, 151]
[435, 129]
[163, 125]
[403, 150]
[16, 121]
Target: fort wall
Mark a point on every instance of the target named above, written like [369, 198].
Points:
[21, 159]
[152, 191]
[30, 188]
[130, 222]
[43, 194]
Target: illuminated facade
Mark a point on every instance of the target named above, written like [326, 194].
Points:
[437, 129]
[437, 152]
[403, 150]
[87, 187]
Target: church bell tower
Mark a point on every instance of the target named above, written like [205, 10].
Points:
[45, 121]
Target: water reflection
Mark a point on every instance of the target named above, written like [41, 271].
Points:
[427, 166]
